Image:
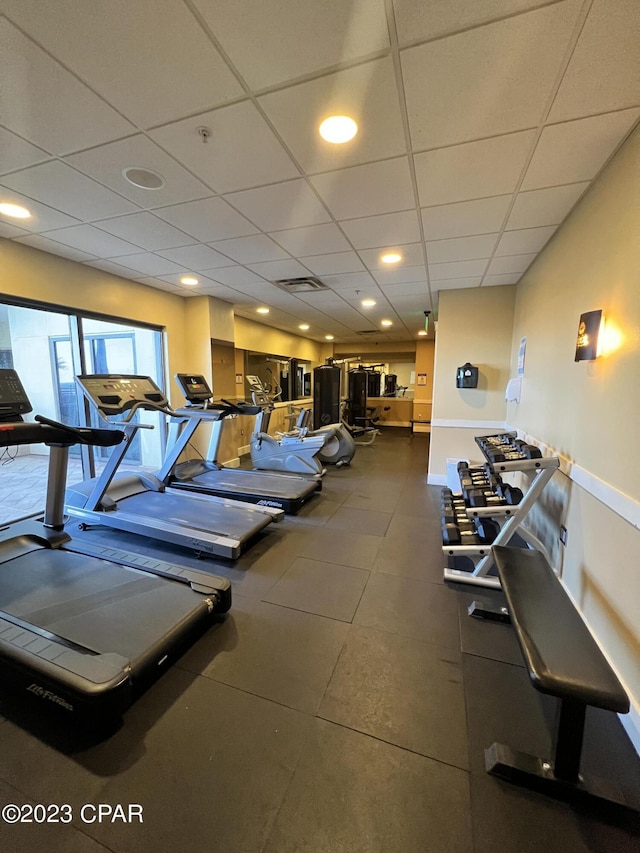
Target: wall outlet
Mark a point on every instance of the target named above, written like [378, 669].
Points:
[563, 535]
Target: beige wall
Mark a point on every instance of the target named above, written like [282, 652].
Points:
[474, 325]
[250, 335]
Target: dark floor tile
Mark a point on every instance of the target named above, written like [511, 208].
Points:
[410, 558]
[281, 654]
[403, 691]
[325, 589]
[483, 637]
[341, 547]
[361, 521]
[209, 764]
[415, 528]
[379, 498]
[423, 611]
[353, 793]
[316, 512]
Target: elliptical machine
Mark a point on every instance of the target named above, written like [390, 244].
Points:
[340, 447]
[296, 454]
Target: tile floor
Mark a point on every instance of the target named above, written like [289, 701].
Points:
[344, 704]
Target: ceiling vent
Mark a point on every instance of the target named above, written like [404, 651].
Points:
[368, 332]
[305, 284]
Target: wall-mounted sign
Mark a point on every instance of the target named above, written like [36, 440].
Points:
[239, 379]
[521, 355]
[422, 379]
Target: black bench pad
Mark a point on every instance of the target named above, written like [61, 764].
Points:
[562, 657]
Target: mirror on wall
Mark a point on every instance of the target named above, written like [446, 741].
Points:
[392, 378]
[286, 378]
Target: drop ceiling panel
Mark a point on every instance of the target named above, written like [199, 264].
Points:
[544, 207]
[16, 153]
[454, 283]
[149, 264]
[408, 289]
[510, 264]
[384, 230]
[242, 151]
[524, 53]
[280, 269]
[196, 257]
[419, 20]
[576, 150]
[398, 276]
[114, 269]
[526, 240]
[47, 105]
[280, 206]
[106, 163]
[481, 169]
[38, 241]
[505, 278]
[159, 284]
[367, 93]
[204, 280]
[93, 241]
[235, 276]
[351, 281]
[271, 41]
[461, 248]
[332, 264]
[57, 184]
[248, 250]
[146, 231]
[10, 231]
[465, 218]
[312, 240]
[411, 255]
[147, 41]
[43, 217]
[374, 188]
[208, 220]
[604, 71]
[457, 269]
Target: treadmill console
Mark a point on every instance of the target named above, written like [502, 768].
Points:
[194, 387]
[13, 398]
[116, 393]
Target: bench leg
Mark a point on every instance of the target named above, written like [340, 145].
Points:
[568, 741]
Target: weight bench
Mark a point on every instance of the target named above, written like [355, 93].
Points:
[563, 660]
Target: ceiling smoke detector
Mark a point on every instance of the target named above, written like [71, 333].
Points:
[304, 284]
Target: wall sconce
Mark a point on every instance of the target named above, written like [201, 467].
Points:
[588, 334]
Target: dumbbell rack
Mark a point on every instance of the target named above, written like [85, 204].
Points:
[514, 458]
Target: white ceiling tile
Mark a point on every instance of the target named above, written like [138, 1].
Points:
[386, 230]
[145, 230]
[408, 289]
[481, 216]
[241, 152]
[246, 250]
[10, 231]
[481, 169]
[526, 240]
[452, 89]
[107, 162]
[461, 248]
[332, 264]
[235, 276]
[222, 292]
[208, 220]
[419, 20]
[196, 257]
[280, 269]
[351, 281]
[312, 240]
[374, 188]
[367, 93]
[604, 71]
[114, 269]
[280, 206]
[576, 150]
[55, 183]
[37, 241]
[149, 264]
[91, 240]
[160, 284]
[505, 278]
[544, 207]
[276, 40]
[398, 276]
[510, 264]
[412, 255]
[456, 283]
[16, 153]
[204, 280]
[457, 269]
[123, 54]
[47, 105]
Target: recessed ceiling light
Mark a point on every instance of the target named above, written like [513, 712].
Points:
[262, 310]
[145, 179]
[328, 337]
[15, 210]
[338, 129]
[368, 303]
[386, 322]
[422, 333]
[304, 327]
[390, 258]
[188, 279]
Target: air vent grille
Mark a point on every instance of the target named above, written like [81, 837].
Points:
[369, 332]
[304, 284]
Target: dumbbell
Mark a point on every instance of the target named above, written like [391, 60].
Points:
[482, 533]
[529, 451]
[504, 494]
[511, 495]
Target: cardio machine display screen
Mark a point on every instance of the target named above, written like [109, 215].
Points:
[194, 387]
[13, 397]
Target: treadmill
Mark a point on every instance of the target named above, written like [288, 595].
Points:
[140, 504]
[285, 491]
[84, 628]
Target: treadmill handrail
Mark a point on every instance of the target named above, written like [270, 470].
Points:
[50, 432]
